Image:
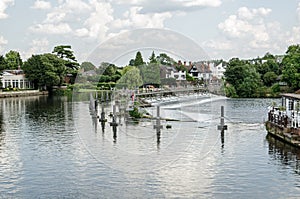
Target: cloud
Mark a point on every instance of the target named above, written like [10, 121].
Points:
[249, 32]
[61, 28]
[3, 41]
[42, 5]
[176, 5]
[3, 6]
[37, 46]
[247, 23]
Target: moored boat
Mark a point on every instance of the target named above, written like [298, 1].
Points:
[284, 121]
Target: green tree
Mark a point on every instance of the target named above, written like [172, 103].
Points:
[2, 64]
[150, 73]
[291, 67]
[242, 77]
[86, 66]
[164, 59]
[152, 58]
[64, 52]
[270, 78]
[13, 60]
[138, 59]
[131, 79]
[46, 70]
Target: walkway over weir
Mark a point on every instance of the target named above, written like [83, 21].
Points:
[182, 91]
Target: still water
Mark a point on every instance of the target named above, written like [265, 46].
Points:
[53, 148]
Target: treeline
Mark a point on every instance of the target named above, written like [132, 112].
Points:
[264, 77]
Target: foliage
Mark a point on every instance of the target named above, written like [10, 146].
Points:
[131, 79]
[150, 73]
[87, 66]
[2, 63]
[64, 52]
[138, 59]
[135, 113]
[45, 70]
[243, 77]
[164, 59]
[13, 60]
[291, 67]
[152, 58]
[269, 78]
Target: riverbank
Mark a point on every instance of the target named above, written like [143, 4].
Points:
[22, 93]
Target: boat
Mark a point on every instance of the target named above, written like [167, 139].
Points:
[284, 121]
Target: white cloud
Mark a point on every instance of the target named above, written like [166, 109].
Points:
[204, 3]
[248, 23]
[55, 17]
[98, 20]
[3, 41]
[3, 6]
[61, 28]
[37, 46]
[42, 5]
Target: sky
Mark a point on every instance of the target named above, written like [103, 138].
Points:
[222, 28]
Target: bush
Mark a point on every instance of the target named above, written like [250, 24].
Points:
[135, 113]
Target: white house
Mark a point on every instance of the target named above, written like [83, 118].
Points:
[171, 72]
[15, 79]
[217, 70]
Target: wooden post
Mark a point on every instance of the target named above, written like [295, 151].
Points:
[158, 125]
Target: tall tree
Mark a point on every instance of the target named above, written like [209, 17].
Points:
[138, 59]
[13, 60]
[152, 58]
[64, 52]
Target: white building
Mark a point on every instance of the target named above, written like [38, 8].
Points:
[217, 70]
[15, 79]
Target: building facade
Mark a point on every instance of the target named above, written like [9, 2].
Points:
[15, 79]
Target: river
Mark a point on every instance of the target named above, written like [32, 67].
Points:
[54, 148]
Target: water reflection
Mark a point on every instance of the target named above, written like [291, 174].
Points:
[284, 153]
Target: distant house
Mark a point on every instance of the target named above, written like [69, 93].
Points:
[15, 79]
[218, 70]
[200, 70]
[171, 72]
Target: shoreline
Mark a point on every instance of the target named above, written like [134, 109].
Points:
[9, 94]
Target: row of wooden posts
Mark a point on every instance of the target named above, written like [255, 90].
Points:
[157, 126]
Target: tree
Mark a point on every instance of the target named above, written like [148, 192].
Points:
[150, 73]
[45, 70]
[138, 59]
[2, 63]
[270, 78]
[164, 59]
[86, 66]
[242, 77]
[64, 52]
[131, 79]
[152, 58]
[13, 60]
[291, 67]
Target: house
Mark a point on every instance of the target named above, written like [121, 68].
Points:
[200, 70]
[15, 79]
[171, 72]
[218, 70]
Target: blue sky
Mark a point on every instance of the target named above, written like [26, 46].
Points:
[222, 28]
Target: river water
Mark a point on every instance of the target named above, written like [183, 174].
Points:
[54, 148]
